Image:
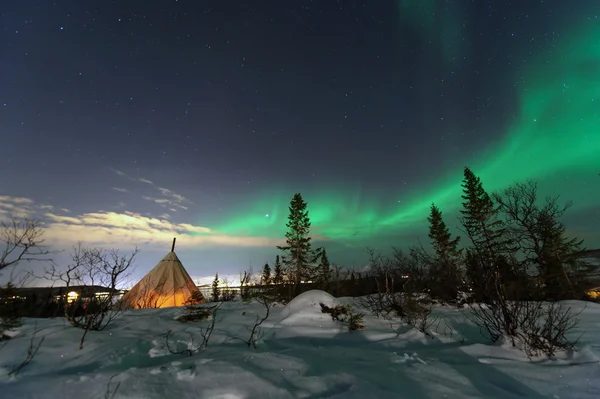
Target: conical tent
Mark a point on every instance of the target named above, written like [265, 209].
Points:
[168, 284]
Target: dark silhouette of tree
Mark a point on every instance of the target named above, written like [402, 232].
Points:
[447, 260]
[265, 278]
[216, 291]
[278, 272]
[299, 256]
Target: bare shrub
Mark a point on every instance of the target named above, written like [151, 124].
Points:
[111, 392]
[255, 331]
[92, 268]
[537, 328]
[417, 313]
[227, 293]
[205, 333]
[401, 281]
[32, 350]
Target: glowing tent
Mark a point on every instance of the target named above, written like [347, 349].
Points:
[168, 284]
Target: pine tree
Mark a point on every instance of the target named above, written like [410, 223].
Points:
[448, 256]
[216, 291]
[324, 273]
[265, 278]
[278, 272]
[299, 256]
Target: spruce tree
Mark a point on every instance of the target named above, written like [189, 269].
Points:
[487, 233]
[480, 218]
[278, 272]
[448, 256]
[299, 256]
[324, 273]
[265, 278]
[216, 291]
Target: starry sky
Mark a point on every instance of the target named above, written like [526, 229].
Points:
[125, 123]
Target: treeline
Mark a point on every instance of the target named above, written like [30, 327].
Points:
[513, 246]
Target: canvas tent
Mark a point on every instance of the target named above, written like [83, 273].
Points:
[168, 284]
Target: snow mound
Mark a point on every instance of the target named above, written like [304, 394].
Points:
[309, 301]
[304, 314]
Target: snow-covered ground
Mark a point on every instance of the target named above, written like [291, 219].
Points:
[303, 354]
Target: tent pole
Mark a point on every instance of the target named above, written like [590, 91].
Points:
[173, 246]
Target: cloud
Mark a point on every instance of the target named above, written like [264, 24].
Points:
[176, 197]
[118, 172]
[15, 207]
[166, 202]
[46, 207]
[159, 201]
[121, 190]
[62, 219]
[128, 229]
[15, 200]
[170, 199]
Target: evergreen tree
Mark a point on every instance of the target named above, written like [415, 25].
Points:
[448, 256]
[480, 218]
[491, 252]
[278, 272]
[299, 256]
[216, 291]
[265, 278]
[324, 272]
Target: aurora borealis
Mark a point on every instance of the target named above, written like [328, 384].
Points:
[137, 122]
[554, 138]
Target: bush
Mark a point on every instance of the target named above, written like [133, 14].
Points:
[196, 314]
[344, 314]
[537, 328]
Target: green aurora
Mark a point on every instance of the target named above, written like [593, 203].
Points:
[554, 139]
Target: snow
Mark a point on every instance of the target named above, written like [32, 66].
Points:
[302, 354]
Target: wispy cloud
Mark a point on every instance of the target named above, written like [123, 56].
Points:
[118, 172]
[129, 228]
[141, 179]
[15, 207]
[15, 200]
[62, 219]
[169, 200]
[46, 207]
[121, 190]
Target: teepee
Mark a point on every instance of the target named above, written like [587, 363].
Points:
[168, 284]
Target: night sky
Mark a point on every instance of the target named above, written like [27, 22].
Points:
[126, 123]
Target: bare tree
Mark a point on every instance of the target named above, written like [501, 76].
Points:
[91, 268]
[542, 239]
[22, 241]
